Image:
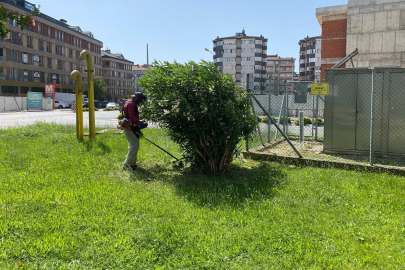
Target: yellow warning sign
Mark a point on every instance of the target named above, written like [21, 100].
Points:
[320, 89]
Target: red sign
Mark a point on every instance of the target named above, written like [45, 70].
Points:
[50, 92]
[49, 89]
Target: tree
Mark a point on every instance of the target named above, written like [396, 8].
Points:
[98, 87]
[203, 110]
[21, 19]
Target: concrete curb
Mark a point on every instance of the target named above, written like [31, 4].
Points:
[322, 163]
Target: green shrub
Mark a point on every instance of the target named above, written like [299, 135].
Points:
[320, 121]
[87, 109]
[203, 110]
[266, 119]
[282, 120]
[120, 116]
[307, 121]
[259, 119]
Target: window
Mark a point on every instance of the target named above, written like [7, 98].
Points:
[270, 62]
[49, 31]
[258, 67]
[258, 42]
[258, 59]
[39, 28]
[258, 50]
[248, 41]
[220, 43]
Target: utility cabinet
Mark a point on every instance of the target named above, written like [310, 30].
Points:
[348, 110]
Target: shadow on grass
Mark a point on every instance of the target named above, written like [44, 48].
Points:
[235, 188]
[97, 146]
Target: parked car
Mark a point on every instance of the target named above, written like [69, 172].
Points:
[61, 104]
[96, 104]
[111, 105]
[103, 104]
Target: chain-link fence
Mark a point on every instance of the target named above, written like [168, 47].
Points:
[361, 120]
[283, 101]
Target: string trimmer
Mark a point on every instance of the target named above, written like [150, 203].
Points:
[178, 163]
[124, 124]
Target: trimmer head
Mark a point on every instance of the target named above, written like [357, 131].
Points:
[177, 163]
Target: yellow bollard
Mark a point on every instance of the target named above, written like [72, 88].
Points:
[85, 55]
[76, 76]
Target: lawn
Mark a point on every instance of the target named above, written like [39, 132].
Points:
[66, 204]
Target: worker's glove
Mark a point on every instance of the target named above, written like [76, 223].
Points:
[143, 125]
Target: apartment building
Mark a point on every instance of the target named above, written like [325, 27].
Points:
[240, 55]
[117, 74]
[310, 58]
[280, 68]
[137, 72]
[44, 53]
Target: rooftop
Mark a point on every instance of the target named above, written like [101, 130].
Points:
[330, 11]
[118, 56]
[138, 67]
[241, 35]
[27, 7]
[276, 56]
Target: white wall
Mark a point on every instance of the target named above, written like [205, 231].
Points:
[20, 104]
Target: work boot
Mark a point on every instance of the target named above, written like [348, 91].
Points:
[129, 168]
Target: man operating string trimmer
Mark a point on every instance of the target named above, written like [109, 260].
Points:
[132, 114]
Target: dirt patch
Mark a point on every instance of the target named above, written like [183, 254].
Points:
[314, 149]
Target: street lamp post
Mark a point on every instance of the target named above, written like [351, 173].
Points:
[209, 51]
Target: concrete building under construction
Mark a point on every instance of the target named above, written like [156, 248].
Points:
[376, 28]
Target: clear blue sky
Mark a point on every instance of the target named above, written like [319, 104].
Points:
[181, 29]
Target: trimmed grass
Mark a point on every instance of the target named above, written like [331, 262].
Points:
[66, 204]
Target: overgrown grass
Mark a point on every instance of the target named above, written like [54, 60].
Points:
[66, 204]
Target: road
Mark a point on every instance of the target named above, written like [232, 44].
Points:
[63, 116]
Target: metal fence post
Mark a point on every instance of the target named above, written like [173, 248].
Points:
[316, 118]
[247, 90]
[301, 130]
[253, 109]
[286, 109]
[270, 113]
[372, 117]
